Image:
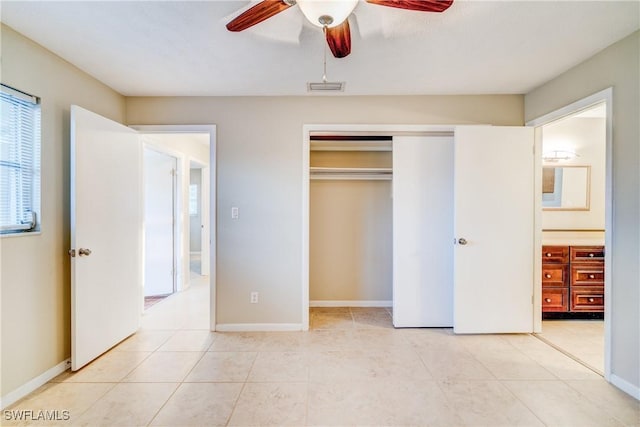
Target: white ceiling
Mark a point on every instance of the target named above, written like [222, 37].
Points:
[159, 48]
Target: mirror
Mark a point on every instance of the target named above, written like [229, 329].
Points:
[565, 187]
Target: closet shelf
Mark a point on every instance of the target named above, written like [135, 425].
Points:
[350, 173]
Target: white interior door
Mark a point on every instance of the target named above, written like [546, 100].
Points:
[106, 219]
[159, 224]
[422, 231]
[494, 214]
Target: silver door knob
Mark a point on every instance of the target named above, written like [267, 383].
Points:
[462, 241]
[84, 252]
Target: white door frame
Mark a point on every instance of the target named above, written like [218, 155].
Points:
[204, 214]
[211, 130]
[606, 96]
[392, 130]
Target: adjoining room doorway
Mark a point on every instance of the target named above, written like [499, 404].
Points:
[191, 145]
[575, 143]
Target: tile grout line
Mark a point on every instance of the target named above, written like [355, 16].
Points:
[179, 383]
[244, 384]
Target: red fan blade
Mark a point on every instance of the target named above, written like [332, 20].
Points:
[419, 5]
[258, 13]
[339, 39]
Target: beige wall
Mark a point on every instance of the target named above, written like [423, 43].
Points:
[35, 275]
[260, 171]
[350, 240]
[617, 67]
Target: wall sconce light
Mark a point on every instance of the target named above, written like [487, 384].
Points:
[556, 156]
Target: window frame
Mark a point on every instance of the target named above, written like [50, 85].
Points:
[13, 188]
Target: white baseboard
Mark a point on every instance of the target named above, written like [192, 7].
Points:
[258, 327]
[17, 394]
[626, 386]
[350, 303]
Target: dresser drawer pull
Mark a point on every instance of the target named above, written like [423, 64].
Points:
[547, 300]
[590, 298]
[591, 255]
[548, 254]
[548, 276]
[592, 276]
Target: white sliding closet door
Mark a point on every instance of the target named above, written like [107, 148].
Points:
[494, 215]
[422, 231]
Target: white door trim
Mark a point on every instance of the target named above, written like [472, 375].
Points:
[204, 202]
[211, 130]
[606, 96]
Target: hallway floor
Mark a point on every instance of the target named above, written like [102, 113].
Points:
[352, 368]
[582, 339]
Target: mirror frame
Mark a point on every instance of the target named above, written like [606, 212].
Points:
[588, 189]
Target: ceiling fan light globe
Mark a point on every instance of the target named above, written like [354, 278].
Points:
[316, 11]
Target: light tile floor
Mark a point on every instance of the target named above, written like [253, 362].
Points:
[582, 339]
[352, 368]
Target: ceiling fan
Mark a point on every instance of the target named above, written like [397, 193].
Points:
[330, 15]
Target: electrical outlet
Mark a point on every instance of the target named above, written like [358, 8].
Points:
[254, 297]
[235, 213]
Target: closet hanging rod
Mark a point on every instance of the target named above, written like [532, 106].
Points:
[350, 173]
[315, 170]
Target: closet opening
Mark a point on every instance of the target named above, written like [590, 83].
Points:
[436, 191]
[350, 230]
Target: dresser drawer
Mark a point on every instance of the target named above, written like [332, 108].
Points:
[554, 274]
[588, 274]
[555, 299]
[587, 253]
[587, 299]
[555, 254]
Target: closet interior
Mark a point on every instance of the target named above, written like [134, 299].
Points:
[350, 207]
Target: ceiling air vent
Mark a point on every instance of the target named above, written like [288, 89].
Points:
[326, 87]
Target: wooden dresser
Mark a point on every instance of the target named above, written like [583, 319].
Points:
[572, 279]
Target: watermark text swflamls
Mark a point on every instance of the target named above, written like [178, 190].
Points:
[36, 415]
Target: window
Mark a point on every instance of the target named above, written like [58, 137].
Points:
[19, 162]
[193, 199]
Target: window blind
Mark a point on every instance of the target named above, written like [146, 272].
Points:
[19, 161]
